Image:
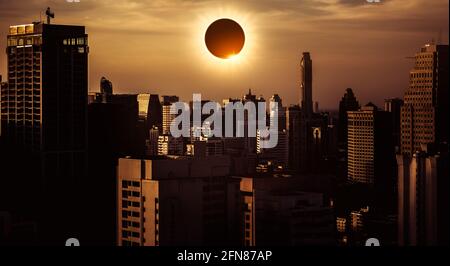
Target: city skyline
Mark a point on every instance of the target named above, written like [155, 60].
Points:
[348, 54]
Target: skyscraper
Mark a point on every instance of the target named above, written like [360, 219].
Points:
[423, 162]
[44, 114]
[143, 100]
[425, 110]
[370, 149]
[293, 114]
[154, 113]
[306, 84]
[45, 106]
[167, 117]
[313, 126]
[106, 90]
[394, 106]
[347, 103]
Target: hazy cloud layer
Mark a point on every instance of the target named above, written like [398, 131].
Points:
[151, 45]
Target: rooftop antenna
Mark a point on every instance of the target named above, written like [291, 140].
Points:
[49, 14]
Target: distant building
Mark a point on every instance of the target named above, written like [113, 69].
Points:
[394, 107]
[347, 103]
[313, 128]
[143, 100]
[154, 113]
[177, 202]
[167, 117]
[168, 145]
[293, 115]
[106, 90]
[370, 149]
[425, 112]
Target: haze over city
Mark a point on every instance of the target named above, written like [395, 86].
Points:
[157, 46]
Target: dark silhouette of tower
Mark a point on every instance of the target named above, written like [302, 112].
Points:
[306, 84]
[154, 113]
[44, 124]
[347, 103]
[106, 90]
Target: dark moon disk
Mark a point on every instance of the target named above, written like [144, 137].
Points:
[224, 38]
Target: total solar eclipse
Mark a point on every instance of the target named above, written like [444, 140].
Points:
[224, 38]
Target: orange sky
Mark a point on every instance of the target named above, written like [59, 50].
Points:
[156, 46]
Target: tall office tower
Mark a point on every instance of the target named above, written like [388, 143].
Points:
[423, 163]
[313, 126]
[306, 84]
[425, 111]
[106, 90]
[423, 199]
[44, 111]
[143, 100]
[347, 103]
[281, 112]
[394, 106]
[167, 117]
[181, 201]
[154, 113]
[293, 116]
[370, 148]
[45, 106]
[152, 142]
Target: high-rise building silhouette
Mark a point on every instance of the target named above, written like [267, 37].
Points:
[425, 111]
[306, 84]
[167, 117]
[143, 100]
[347, 103]
[313, 126]
[106, 90]
[154, 113]
[394, 106]
[293, 115]
[423, 163]
[44, 115]
[370, 151]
